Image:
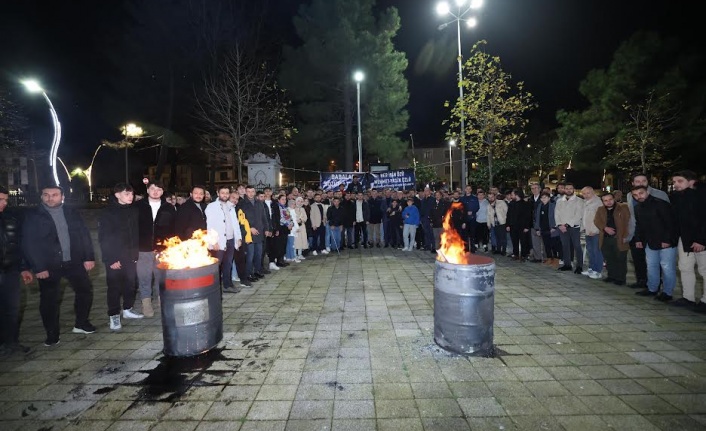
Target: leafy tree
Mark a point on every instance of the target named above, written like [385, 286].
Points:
[425, 174]
[492, 106]
[337, 37]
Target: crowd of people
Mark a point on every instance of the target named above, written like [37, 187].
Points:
[263, 231]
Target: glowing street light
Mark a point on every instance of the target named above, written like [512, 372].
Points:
[130, 131]
[452, 144]
[33, 87]
[463, 12]
[358, 77]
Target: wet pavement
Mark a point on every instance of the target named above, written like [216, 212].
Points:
[346, 343]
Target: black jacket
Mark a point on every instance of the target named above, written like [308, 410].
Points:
[519, 214]
[11, 258]
[376, 210]
[355, 188]
[334, 215]
[655, 223]
[437, 212]
[255, 213]
[153, 232]
[190, 218]
[118, 233]
[348, 216]
[690, 212]
[40, 241]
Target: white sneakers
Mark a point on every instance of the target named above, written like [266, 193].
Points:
[587, 272]
[115, 323]
[300, 257]
[327, 251]
[314, 253]
[129, 314]
[273, 267]
[592, 274]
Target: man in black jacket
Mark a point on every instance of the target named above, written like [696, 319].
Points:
[519, 222]
[355, 186]
[57, 244]
[12, 266]
[118, 235]
[335, 216]
[254, 211]
[348, 219]
[656, 233]
[191, 215]
[155, 219]
[689, 200]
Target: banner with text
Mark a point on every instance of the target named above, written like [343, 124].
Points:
[400, 179]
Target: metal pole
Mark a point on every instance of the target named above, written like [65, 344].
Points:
[460, 95]
[126, 168]
[360, 138]
[414, 156]
[57, 138]
[451, 170]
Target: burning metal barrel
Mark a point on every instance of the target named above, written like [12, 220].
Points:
[190, 294]
[464, 293]
[464, 304]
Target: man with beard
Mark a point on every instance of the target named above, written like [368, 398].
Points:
[639, 259]
[612, 220]
[190, 216]
[222, 218]
[690, 211]
[568, 215]
[254, 212]
[657, 234]
[57, 244]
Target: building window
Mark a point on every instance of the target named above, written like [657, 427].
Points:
[427, 155]
[447, 170]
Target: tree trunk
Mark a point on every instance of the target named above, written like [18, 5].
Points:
[348, 126]
[490, 167]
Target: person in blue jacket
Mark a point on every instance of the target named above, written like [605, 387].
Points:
[410, 218]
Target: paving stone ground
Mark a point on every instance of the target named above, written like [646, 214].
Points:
[346, 343]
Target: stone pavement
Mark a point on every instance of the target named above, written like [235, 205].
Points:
[345, 343]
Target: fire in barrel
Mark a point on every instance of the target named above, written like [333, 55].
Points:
[189, 289]
[464, 294]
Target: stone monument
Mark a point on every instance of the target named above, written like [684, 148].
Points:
[263, 171]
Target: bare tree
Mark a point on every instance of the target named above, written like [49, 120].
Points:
[241, 109]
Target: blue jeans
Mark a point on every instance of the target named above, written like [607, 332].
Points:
[335, 237]
[328, 237]
[666, 259]
[595, 257]
[350, 237]
[290, 247]
[253, 258]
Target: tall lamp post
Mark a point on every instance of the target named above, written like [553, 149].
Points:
[452, 144]
[461, 12]
[359, 76]
[130, 131]
[34, 87]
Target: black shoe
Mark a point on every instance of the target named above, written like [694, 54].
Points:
[245, 283]
[663, 297]
[578, 270]
[231, 289]
[266, 271]
[645, 292]
[683, 302]
[259, 275]
[638, 285]
[252, 279]
[282, 264]
[16, 348]
[432, 251]
[51, 341]
[564, 268]
[619, 282]
[609, 280]
[86, 328]
[365, 245]
[386, 245]
[378, 245]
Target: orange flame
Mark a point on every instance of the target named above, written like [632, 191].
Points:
[452, 246]
[191, 253]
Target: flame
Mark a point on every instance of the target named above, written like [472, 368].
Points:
[452, 248]
[191, 253]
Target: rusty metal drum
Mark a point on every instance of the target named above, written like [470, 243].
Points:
[464, 306]
[192, 313]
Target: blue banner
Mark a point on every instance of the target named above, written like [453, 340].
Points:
[400, 179]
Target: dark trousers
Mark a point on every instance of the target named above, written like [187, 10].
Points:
[239, 261]
[253, 258]
[500, 237]
[481, 233]
[271, 248]
[50, 296]
[10, 294]
[470, 235]
[616, 260]
[551, 248]
[639, 261]
[226, 263]
[121, 284]
[395, 235]
[281, 244]
[350, 236]
[571, 241]
[361, 233]
[320, 238]
[428, 234]
[520, 242]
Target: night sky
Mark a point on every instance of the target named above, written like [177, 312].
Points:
[549, 44]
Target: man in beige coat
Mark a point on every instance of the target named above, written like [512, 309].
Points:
[593, 249]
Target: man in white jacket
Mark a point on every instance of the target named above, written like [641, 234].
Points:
[221, 217]
[595, 258]
[568, 215]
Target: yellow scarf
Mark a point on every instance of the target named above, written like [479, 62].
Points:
[246, 225]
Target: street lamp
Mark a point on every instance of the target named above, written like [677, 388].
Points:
[359, 76]
[33, 87]
[452, 144]
[462, 12]
[130, 130]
